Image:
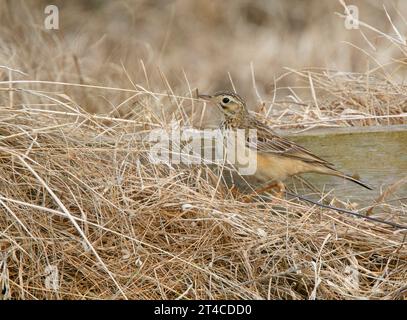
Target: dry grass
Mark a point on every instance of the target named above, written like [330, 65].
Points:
[78, 193]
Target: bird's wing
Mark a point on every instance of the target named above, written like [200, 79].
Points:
[268, 141]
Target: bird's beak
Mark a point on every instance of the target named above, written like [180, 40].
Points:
[205, 97]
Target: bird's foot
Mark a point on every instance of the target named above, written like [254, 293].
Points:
[275, 185]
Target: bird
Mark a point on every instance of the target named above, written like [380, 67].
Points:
[277, 157]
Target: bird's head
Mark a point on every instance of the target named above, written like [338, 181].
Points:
[229, 103]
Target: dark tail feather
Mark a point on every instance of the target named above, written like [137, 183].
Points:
[357, 181]
[332, 171]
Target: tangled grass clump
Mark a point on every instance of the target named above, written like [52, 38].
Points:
[79, 197]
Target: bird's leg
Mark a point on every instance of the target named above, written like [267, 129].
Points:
[281, 190]
[277, 184]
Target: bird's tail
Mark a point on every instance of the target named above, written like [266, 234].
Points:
[356, 181]
[334, 172]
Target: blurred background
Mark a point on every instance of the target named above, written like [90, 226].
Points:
[186, 44]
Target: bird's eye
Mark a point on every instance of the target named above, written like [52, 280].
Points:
[225, 100]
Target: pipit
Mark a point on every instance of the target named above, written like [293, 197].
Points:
[277, 157]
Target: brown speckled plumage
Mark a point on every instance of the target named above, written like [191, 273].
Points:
[277, 158]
